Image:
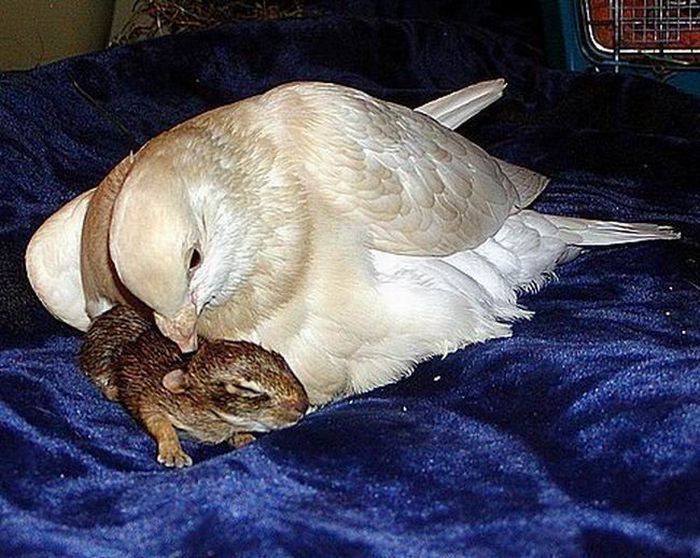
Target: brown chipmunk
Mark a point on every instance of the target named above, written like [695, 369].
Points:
[224, 392]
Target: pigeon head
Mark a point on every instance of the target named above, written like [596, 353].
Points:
[172, 231]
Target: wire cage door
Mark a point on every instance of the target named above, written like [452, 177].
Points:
[658, 37]
[644, 31]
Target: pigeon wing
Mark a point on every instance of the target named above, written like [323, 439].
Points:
[418, 187]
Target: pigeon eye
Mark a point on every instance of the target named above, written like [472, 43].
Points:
[195, 259]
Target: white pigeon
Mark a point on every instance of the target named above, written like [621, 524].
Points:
[352, 235]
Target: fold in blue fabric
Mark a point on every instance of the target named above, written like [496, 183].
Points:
[579, 435]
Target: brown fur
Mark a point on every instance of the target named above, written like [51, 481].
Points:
[223, 392]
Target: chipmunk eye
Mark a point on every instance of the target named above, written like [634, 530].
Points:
[243, 390]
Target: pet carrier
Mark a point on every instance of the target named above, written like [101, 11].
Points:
[658, 38]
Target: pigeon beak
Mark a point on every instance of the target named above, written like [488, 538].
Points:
[182, 328]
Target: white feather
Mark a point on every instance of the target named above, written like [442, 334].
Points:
[52, 261]
[456, 108]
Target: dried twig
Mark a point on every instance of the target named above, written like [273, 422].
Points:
[153, 18]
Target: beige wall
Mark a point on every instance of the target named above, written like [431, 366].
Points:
[34, 32]
[122, 13]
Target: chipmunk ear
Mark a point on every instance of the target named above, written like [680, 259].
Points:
[176, 381]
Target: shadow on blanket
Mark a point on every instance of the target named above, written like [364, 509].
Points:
[580, 434]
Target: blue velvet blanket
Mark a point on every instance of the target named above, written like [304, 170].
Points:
[578, 436]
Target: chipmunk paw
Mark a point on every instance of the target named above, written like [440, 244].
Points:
[173, 456]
